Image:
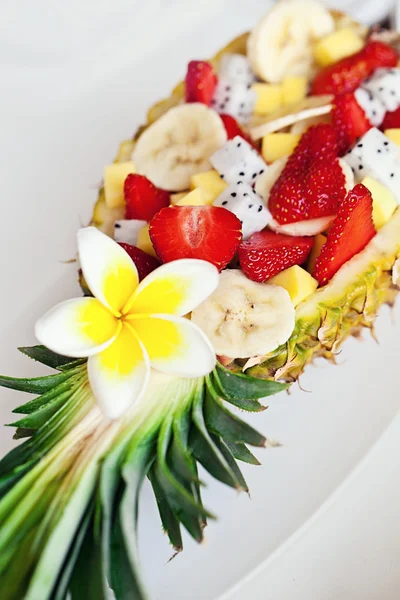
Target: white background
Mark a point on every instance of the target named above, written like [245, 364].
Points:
[76, 78]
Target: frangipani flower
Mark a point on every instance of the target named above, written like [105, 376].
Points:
[128, 326]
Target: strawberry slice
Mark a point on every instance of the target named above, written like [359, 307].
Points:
[143, 199]
[391, 120]
[347, 74]
[233, 129]
[200, 82]
[266, 254]
[145, 263]
[349, 233]
[349, 121]
[207, 232]
[311, 184]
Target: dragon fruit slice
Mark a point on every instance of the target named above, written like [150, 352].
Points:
[235, 99]
[374, 109]
[242, 200]
[236, 67]
[377, 156]
[126, 230]
[237, 161]
[385, 86]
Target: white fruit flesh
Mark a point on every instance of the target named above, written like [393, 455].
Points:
[243, 318]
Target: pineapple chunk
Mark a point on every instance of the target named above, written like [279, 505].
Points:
[294, 89]
[114, 177]
[337, 45]
[174, 198]
[277, 145]
[297, 282]
[383, 201]
[210, 184]
[393, 135]
[319, 241]
[144, 241]
[269, 98]
[194, 198]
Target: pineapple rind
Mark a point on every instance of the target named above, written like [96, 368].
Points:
[350, 301]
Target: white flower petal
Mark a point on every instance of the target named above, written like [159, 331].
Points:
[77, 328]
[110, 273]
[119, 375]
[175, 288]
[175, 345]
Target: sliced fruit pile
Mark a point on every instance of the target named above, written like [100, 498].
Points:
[278, 163]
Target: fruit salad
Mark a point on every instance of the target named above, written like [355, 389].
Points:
[278, 163]
[250, 225]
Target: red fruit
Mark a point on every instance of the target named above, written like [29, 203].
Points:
[349, 121]
[347, 74]
[266, 254]
[349, 233]
[391, 120]
[312, 183]
[207, 232]
[145, 263]
[200, 82]
[143, 199]
[233, 129]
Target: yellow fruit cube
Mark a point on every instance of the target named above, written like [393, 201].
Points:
[394, 135]
[337, 45]
[269, 98]
[297, 281]
[144, 242]
[174, 198]
[384, 202]
[277, 145]
[210, 184]
[294, 89]
[319, 241]
[114, 177]
[194, 198]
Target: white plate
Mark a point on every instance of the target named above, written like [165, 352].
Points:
[76, 79]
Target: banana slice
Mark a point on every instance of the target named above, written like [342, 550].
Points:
[179, 145]
[313, 106]
[281, 43]
[243, 318]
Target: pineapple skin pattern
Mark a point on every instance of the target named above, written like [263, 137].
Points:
[69, 494]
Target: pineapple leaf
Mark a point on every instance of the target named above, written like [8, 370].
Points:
[49, 358]
[86, 579]
[206, 452]
[223, 423]
[242, 387]
[223, 448]
[169, 522]
[37, 385]
[61, 588]
[242, 453]
[247, 404]
[134, 471]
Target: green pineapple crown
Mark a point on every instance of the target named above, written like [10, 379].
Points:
[69, 494]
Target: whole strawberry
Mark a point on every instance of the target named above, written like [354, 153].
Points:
[347, 74]
[142, 198]
[311, 184]
[266, 254]
[349, 233]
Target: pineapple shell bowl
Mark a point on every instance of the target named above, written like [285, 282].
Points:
[139, 422]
